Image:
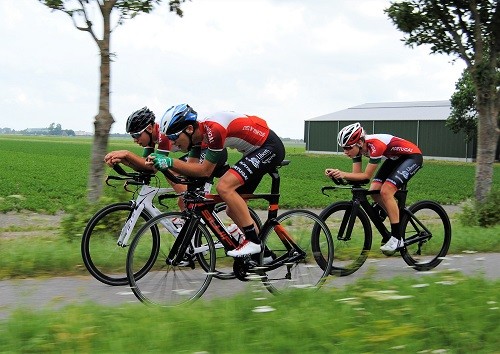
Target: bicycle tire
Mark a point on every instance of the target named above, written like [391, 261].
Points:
[350, 254]
[312, 236]
[224, 263]
[429, 252]
[164, 284]
[103, 258]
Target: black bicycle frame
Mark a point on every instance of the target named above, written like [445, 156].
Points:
[360, 200]
[200, 207]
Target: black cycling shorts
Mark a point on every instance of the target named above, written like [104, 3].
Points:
[252, 167]
[399, 171]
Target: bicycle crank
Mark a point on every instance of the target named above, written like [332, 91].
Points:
[242, 268]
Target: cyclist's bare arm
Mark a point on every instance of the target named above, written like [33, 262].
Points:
[127, 158]
[356, 175]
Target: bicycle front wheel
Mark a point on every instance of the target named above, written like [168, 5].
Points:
[103, 258]
[165, 284]
[351, 247]
[298, 252]
[426, 230]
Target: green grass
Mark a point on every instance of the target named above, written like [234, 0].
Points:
[48, 174]
[444, 313]
[432, 314]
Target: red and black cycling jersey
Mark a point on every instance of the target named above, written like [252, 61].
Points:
[242, 132]
[390, 146]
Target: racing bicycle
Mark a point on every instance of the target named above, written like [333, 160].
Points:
[297, 249]
[425, 228]
[105, 240]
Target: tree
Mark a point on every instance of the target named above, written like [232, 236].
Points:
[463, 117]
[469, 30]
[80, 12]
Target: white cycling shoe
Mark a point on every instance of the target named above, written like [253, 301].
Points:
[246, 248]
[392, 245]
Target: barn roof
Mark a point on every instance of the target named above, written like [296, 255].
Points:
[417, 110]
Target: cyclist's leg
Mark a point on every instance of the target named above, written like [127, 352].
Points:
[246, 175]
[405, 169]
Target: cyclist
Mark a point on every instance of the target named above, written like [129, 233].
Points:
[262, 151]
[403, 160]
[142, 128]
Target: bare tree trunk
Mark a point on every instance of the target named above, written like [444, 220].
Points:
[487, 134]
[104, 119]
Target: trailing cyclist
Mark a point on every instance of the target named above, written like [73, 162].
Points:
[145, 131]
[403, 160]
[262, 152]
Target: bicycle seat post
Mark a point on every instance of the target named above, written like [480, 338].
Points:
[400, 196]
[275, 191]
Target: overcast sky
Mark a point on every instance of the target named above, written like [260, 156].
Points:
[284, 60]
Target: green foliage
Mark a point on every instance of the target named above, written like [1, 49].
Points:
[39, 256]
[463, 115]
[484, 214]
[449, 27]
[469, 30]
[427, 314]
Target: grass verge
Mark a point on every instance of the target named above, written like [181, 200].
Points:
[445, 313]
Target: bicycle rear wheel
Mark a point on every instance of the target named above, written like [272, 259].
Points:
[351, 250]
[306, 266]
[165, 284]
[427, 235]
[103, 258]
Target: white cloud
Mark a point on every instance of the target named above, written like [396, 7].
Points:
[284, 60]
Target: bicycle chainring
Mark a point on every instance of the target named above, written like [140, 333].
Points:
[242, 268]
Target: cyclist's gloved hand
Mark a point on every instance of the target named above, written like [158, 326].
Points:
[161, 162]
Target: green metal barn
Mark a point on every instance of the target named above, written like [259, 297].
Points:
[422, 122]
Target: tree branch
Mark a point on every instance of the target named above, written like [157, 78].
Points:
[462, 52]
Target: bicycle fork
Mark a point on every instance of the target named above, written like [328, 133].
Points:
[177, 253]
[129, 224]
[347, 224]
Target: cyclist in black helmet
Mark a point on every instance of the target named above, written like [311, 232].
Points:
[142, 128]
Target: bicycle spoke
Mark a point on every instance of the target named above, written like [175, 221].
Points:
[170, 285]
[303, 262]
[427, 235]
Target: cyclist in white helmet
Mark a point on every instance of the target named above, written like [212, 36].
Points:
[261, 148]
[403, 160]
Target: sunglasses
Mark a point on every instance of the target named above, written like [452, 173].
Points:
[175, 136]
[138, 134]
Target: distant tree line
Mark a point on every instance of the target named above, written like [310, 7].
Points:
[53, 129]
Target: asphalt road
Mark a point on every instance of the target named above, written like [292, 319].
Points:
[57, 292]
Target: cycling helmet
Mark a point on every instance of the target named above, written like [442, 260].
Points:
[176, 118]
[139, 120]
[350, 135]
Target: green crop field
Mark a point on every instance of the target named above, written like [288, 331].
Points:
[49, 174]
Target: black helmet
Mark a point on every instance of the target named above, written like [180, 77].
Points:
[139, 120]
